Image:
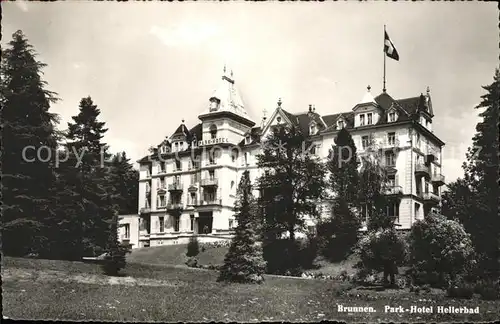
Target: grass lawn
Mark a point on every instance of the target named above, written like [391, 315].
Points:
[201, 298]
[176, 254]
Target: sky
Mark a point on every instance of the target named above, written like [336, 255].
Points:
[149, 65]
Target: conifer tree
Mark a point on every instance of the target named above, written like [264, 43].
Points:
[125, 179]
[115, 258]
[28, 127]
[244, 261]
[341, 229]
[93, 179]
[474, 200]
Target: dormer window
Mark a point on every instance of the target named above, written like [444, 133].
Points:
[340, 124]
[248, 139]
[176, 146]
[391, 117]
[163, 149]
[361, 120]
[370, 119]
[214, 104]
[312, 129]
[213, 131]
[278, 119]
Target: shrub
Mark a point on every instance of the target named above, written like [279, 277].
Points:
[488, 289]
[439, 248]
[193, 247]
[114, 259]
[192, 262]
[463, 290]
[382, 250]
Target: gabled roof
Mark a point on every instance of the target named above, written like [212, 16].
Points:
[332, 120]
[255, 134]
[181, 130]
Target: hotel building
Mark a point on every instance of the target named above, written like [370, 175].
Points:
[188, 183]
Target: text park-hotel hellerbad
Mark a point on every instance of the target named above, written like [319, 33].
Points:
[180, 196]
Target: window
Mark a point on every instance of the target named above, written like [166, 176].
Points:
[392, 116]
[247, 158]
[248, 139]
[232, 186]
[364, 142]
[370, 118]
[340, 124]
[162, 201]
[389, 159]
[418, 140]
[127, 231]
[361, 120]
[234, 156]
[193, 198]
[176, 223]
[211, 174]
[231, 223]
[417, 210]
[393, 211]
[191, 222]
[162, 224]
[163, 149]
[148, 187]
[313, 149]
[176, 145]
[213, 131]
[391, 181]
[278, 119]
[391, 138]
[162, 168]
[162, 182]
[178, 166]
[312, 129]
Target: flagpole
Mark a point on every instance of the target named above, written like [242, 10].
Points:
[383, 51]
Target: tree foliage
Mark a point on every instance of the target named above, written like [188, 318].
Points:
[244, 261]
[474, 200]
[440, 245]
[28, 126]
[340, 232]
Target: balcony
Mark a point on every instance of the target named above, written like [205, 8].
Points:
[193, 202]
[209, 182]
[145, 210]
[174, 205]
[438, 179]
[421, 170]
[431, 156]
[430, 198]
[394, 190]
[208, 202]
[389, 144]
[176, 186]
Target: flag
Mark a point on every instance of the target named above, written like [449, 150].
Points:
[389, 48]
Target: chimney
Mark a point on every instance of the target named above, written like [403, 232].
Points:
[314, 108]
[310, 108]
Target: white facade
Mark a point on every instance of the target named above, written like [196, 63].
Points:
[188, 185]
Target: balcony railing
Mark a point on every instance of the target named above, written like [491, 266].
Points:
[209, 182]
[176, 186]
[205, 202]
[174, 205]
[394, 190]
[193, 202]
[421, 170]
[430, 197]
[438, 179]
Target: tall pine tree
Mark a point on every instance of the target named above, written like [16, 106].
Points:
[244, 261]
[340, 231]
[474, 200]
[93, 177]
[28, 127]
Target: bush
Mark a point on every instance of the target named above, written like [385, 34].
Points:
[193, 247]
[463, 290]
[439, 248]
[382, 250]
[115, 260]
[488, 289]
[192, 262]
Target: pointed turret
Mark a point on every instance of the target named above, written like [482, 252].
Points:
[226, 97]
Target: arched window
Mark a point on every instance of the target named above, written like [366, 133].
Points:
[232, 186]
[213, 131]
